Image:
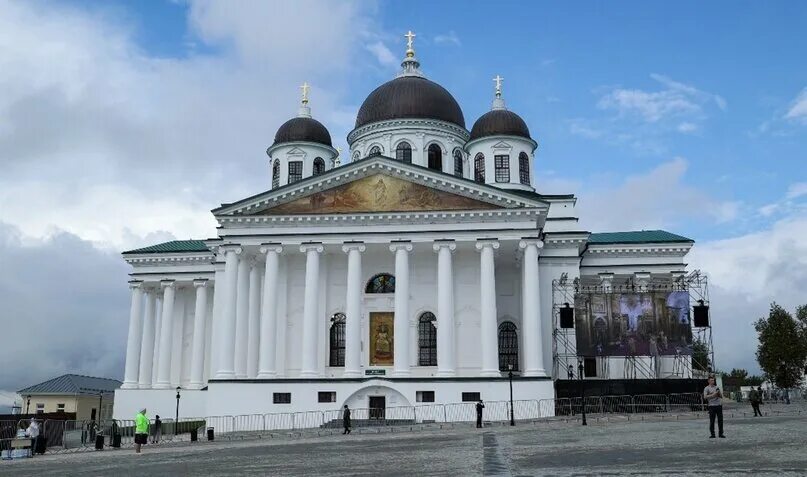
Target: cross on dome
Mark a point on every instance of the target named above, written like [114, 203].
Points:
[498, 80]
[410, 52]
[305, 87]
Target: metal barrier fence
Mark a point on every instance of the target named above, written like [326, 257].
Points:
[66, 436]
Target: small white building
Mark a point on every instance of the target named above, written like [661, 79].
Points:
[421, 271]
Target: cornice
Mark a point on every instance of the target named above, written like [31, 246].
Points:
[167, 260]
[414, 123]
[637, 250]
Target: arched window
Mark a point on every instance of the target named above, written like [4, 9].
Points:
[435, 157]
[375, 151]
[337, 341]
[319, 166]
[502, 165]
[404, 152]
[458, 169]
[295, 171]
[381, 283]
[479, 168]
[508, 346]
[524, 168]
[427, 340]
[276, 174]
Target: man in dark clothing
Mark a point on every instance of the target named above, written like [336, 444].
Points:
[714, 397]
[479, 406]
[346, 419]
[158, 430]
[754, 398]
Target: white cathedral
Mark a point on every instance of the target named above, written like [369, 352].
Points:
[419, 272]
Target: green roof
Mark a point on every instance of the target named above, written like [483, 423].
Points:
[638, 236]
[174, 246]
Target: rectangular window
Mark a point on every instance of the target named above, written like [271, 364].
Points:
[40, 408]
[502, 165]
[590, 367]
[60, 407]
[281, 398]
[424, 396]
[295, 171]
[471, 397]
[326, 396]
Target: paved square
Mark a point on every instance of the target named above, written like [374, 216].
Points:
[761, 446]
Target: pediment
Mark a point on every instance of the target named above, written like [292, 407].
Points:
[296, 151]
[377, 193]
[502, 145]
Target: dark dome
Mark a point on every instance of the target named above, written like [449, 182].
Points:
[303, 130]
[410, 97]
[500, 122]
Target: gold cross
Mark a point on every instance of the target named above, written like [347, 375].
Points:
[305, 87]
[498, 80]
[409, 37]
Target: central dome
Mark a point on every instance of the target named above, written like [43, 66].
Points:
[410, 97]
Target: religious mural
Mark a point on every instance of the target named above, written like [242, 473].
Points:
[382, 339]
[377, 193]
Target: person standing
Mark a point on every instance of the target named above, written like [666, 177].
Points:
[33, 433]
[713, 396]
[479, 406]
[753, 398]
[346, 419]
[157, 430]
[141, 430]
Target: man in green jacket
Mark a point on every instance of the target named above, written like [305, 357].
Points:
[141, 429]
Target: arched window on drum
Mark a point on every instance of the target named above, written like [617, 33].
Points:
[403, 152]
[319, 166]
[435, 157]
[337, 341]
[458, 163]
[508, 346]
[381, 283]
[427, 340]
[276, 174]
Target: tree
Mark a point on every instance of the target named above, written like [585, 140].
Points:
[754, 380]
[782, 350]
[739, 374]
[700, 356]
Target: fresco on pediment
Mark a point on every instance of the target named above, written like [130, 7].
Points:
[377, 193]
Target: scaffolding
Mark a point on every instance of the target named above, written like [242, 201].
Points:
[564, 346]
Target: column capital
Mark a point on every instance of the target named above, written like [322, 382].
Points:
[400, 245]
[135, 284]
[168, 283]
[348, 246]
[449, 244]
[529, 241]
[312, 247]
[230, 247]
[485, 243]
[271, 247]
[200, 282]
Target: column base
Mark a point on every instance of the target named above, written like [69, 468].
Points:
[534, 372]
[225, 375]
[240, 376]
[267, 375]
[195, 386]
[309, 374]
[129, 385]
[401, 373]
[490, 373]
[351, 374]
[162, 386]
[144, 386]
[445, 373]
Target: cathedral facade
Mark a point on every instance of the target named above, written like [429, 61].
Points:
[424, 270]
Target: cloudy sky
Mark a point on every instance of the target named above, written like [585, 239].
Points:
[122, 124]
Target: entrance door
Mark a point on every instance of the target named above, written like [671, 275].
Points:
[377, 406]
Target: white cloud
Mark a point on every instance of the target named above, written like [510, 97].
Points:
[383, 54]
[798, 108]
[687, 127]
[797, 190]
[449, 38]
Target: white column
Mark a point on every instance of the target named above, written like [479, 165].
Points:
[310, 309]
[353, 310]
[446, 356]
[242, 318]
[147, 347]
[158, 328]
[268, 342]
[254, 335]
[167, 325]
[401, 323]
[199, 334]
[531, 319]
[133, 341]
[487, 306]
[226, 361]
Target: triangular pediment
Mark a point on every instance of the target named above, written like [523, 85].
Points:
[378, 185]
[502, 145]
[296, 151]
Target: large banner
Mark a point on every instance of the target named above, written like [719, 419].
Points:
[633, 324]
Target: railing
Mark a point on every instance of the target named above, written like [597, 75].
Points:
[67, 436]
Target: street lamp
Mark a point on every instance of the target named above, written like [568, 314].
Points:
[176, 420]
[580, 371]
[28, 406]
[100, 404]
[510, 375]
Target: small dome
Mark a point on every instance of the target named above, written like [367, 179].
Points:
[303, 129]
[410, 97]
[500, 122]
